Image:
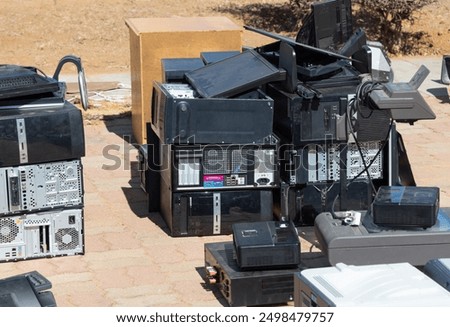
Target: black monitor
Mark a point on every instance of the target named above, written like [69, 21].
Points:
[26, 290]
[328, 25]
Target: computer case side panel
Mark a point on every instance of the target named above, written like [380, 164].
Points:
[213, 212]
[25, 133]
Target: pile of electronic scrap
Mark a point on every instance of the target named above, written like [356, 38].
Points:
[301, 132]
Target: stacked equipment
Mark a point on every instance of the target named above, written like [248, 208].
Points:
[326, 108]
[328, 117]
[212, 156]
[258, 267]
[41, 179]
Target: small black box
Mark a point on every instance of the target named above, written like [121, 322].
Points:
[266, 244]
[246, 288]
[406, 206]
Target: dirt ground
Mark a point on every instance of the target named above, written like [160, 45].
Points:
[40, 32]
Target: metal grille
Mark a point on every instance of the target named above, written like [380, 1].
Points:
[215, 161]
[67, 239]
[8, 230]
[324, 163]
[47, 185]
[355, 163]
[239, 161]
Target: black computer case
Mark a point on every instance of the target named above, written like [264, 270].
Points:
[29, 136]
[201, 213]
[319, 113]
[180, 116]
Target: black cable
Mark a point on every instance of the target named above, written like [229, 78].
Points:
[377, 154]
[361, 96]
[366, 168]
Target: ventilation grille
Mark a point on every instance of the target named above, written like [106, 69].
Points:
[8, 230]
[324, 163]
[36, 221]
[215, 162]
[7, 83]
[67, 239]
[225, 161]
[48, 185]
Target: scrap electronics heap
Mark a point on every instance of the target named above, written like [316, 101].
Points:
[290, 129]
[294, 133]
[41, 179]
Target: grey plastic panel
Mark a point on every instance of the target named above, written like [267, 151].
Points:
[369, 244]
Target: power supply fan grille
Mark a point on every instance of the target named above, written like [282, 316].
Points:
[67, 239]
[8, 230]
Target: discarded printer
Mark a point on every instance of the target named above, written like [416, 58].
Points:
[396, 284]
[404, 224]
[41, 146]
[216, 106]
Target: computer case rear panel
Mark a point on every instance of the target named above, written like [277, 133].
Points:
[43, 234]
[29, 188]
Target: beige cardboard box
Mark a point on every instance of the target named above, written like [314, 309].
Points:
[152, 39]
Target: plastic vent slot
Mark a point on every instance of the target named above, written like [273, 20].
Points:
[6, 83]
[36, 221]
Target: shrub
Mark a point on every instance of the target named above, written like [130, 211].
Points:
[383, 21]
